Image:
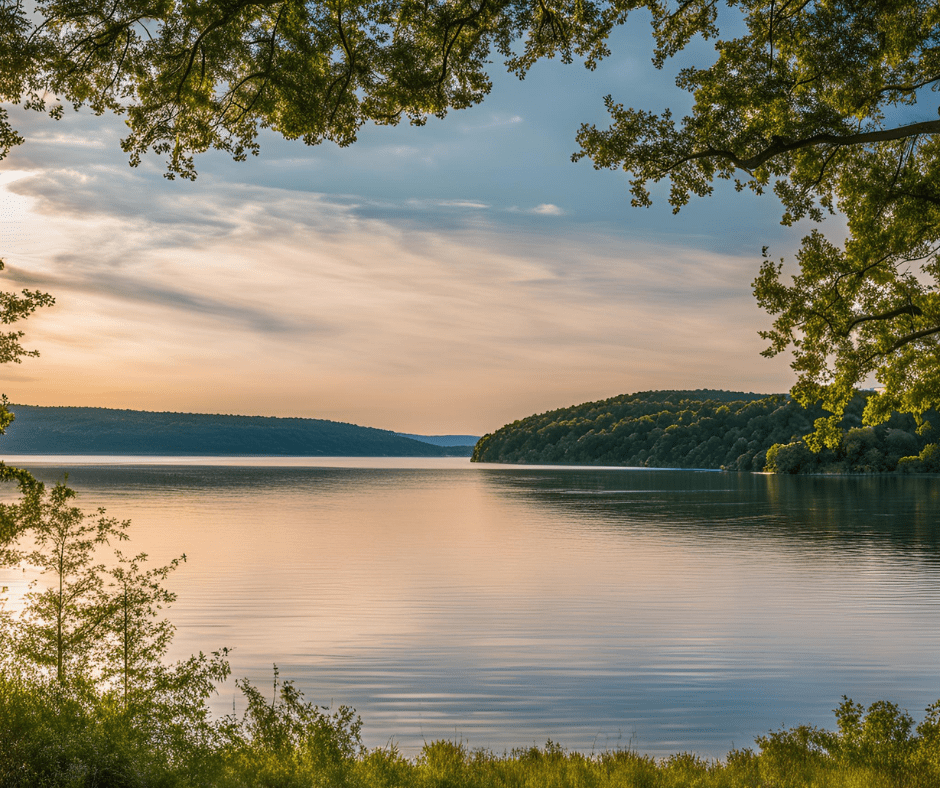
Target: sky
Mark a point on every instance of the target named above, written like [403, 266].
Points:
[444, 279]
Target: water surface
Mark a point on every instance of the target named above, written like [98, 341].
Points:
[505, 605]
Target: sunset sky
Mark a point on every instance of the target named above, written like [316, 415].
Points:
[445, 279]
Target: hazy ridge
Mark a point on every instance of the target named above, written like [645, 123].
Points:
[443, 440]
[103, 431]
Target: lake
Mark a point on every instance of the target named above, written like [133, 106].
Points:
[506, 605]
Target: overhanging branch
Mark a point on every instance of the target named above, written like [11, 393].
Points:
[907, 309]
[781, 145]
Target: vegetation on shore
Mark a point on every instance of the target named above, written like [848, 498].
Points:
[713, 429]
[74, 736]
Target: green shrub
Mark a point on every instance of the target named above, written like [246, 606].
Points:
[789, 458]
[928, 461]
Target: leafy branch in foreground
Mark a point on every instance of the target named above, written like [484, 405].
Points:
[13, 308]
[195, 76]
[822, 103]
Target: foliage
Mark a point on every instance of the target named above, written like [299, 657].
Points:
[13, 308]
[820, 102]
[86, 696]
[192, 76]
[928, 461]
[88, 624]
[138, 637]
[64, 622]
[879, 748]
[55, 737]
[288, 741]
[707, 429]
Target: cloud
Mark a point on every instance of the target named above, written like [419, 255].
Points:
[547, 209]
[463, 204]
[131, 290]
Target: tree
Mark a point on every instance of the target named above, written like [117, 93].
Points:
[86, 696]
[820, 102]
[15, 307]
[65, 624]
[138, 634]
[88, 618]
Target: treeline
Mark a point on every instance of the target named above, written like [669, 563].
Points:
[710, 429]
[47, 430]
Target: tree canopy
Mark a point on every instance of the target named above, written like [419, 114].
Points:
[821, 101]
[197, 75]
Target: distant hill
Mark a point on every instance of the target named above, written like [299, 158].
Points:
[710, 429]
[102, 431]
[444, 440]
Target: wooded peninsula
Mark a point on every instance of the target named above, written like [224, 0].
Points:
[706, 428]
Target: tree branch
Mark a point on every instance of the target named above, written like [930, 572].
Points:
[448, 45]
[913, 337]
[781, 145]
[909, 309]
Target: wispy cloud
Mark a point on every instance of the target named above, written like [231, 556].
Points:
[463, 204]
[547, 209]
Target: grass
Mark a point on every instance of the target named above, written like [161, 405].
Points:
[55, 736]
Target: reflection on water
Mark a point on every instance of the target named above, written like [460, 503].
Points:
[502, 605]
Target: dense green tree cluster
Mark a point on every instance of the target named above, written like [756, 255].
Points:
[709, 429]
[884, 448]
[191, 76]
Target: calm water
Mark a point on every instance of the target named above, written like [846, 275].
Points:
[663, 610]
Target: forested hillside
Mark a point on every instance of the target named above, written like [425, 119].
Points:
[42, 430]
[710, 429]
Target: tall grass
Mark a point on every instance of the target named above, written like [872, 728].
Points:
[53, 735]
